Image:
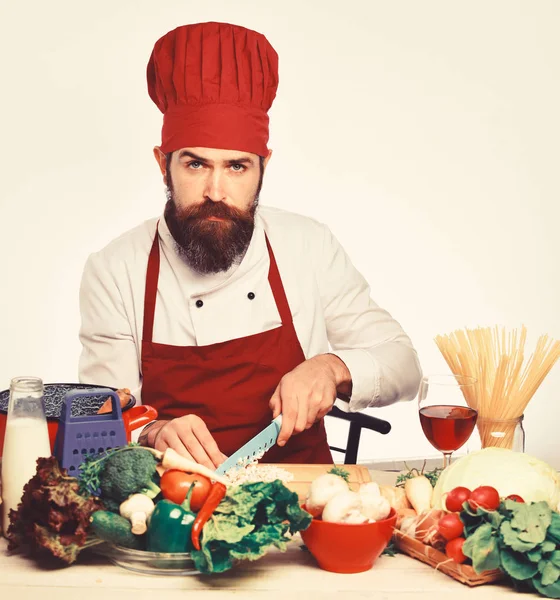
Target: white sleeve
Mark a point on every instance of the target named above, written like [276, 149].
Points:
[379, 355]
[109, 354]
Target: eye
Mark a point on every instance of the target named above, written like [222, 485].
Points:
[194, 164]
[238, 167]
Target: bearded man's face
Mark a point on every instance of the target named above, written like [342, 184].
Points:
[212, 197]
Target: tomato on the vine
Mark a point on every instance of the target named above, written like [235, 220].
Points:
[175, 485]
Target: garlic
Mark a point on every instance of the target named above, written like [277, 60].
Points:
[408, 526]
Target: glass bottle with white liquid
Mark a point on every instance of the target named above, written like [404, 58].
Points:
[26, 439]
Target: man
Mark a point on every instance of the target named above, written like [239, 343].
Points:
[220, 313]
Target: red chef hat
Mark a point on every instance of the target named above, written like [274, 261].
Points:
[214, 84]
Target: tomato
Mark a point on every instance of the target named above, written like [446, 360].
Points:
[450, 526]
[485, 497]
[456, 498]
[454, 550]
[516, 498]
[175, 485]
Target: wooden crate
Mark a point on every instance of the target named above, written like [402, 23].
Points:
[463, 573]
[305, 474]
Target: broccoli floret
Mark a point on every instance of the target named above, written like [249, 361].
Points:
[111, 505]
[127, 472]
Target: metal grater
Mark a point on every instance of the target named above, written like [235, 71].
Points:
[81, 436]
[262, 442]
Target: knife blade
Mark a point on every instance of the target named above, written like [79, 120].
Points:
[262, 442]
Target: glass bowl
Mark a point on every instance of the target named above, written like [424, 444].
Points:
[149, 563]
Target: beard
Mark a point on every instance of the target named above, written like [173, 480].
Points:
[210, 246]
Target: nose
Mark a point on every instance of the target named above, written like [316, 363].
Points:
[214, 189]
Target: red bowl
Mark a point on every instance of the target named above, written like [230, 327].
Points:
[348, 548]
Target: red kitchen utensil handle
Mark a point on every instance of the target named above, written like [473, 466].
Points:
[137, 416]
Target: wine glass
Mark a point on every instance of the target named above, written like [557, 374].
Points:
[446, 418]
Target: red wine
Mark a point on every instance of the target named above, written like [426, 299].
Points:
[447, 427]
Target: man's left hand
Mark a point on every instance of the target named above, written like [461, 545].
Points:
[307, 393]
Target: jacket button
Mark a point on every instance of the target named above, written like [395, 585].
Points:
[251, 296]
[199, 304]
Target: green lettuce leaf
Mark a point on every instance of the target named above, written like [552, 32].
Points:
[251, 519]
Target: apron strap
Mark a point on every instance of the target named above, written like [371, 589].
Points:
[277, 287]
[152, 276]
[150, 295]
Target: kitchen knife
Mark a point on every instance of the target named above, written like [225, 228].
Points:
[262, 442]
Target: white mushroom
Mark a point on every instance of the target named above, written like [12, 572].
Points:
[344, 507]
[374, 506]
[322, 490]
[137, 509]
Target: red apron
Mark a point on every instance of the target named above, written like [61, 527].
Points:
[228, 384]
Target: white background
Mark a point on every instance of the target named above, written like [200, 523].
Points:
[426, 134]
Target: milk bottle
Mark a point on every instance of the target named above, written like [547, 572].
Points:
[26, 439]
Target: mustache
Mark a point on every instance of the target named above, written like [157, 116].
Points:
[220, 210]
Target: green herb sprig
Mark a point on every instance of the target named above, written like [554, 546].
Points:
[432, 475]
[341, 472]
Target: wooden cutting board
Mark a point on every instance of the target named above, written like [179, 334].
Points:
[305, 474]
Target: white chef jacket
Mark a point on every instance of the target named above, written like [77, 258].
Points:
[329, 299]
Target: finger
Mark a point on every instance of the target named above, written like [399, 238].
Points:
[170, 439]
[289, 415]
[325, 408]
[198, 452]
[313, 412]
[302, 410]
[275, 404]
[320, 404]
[208, 443]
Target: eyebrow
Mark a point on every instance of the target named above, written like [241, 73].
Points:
[244, 160]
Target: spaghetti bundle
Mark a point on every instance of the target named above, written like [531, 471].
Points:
[506, 382]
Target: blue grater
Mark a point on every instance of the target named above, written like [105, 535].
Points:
[82, 436]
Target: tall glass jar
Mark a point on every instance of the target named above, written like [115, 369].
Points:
[26, 439]
[498, 433]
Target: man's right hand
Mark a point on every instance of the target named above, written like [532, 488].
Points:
[188, 436]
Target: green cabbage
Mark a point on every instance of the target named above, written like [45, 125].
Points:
[507, 471]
